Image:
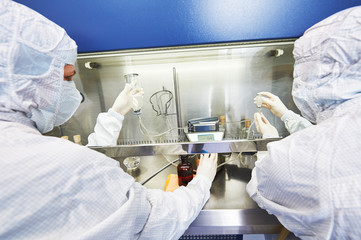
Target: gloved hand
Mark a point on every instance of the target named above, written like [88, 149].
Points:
[264, 127]
[208, 165]
[122, 102]
[273, 103]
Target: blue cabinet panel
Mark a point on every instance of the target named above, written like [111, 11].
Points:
[128, 24]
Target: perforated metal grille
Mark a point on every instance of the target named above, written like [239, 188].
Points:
[212, 237]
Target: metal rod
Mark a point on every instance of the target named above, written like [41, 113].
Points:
[154, 174]
[177, 103]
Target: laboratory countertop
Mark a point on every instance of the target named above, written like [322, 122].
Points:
[229, 210]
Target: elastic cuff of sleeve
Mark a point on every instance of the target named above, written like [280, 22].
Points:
[253, 192]
[287, 116]
[118, 116]
[251, 187]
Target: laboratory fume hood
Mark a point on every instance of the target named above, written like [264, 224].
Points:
[183, 83]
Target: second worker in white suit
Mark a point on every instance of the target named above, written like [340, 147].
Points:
[311, 179]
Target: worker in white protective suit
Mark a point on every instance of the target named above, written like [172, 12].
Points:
[51, 188]
[311, 179]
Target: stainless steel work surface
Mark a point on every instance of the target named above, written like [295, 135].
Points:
[177, 148]
[229, 210]
[234, 221]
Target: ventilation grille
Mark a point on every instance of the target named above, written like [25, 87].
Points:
[212, 237]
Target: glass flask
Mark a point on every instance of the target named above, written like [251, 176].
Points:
[136, 99]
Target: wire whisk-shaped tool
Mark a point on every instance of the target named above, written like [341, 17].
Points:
[161, 102]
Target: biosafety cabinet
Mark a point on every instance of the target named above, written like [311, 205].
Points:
[194, 60]
[216, 81]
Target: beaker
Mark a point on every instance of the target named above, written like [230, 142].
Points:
[131, 78]
[136, 99]
[132, 163]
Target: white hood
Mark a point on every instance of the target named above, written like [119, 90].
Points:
[328, 65]
[33, 53]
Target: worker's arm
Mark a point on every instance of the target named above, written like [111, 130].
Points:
[294, 122]
[109, 124]
[173, 212]
[107, 129]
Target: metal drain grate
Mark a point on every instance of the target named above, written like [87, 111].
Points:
[139, 142]
[212, 237]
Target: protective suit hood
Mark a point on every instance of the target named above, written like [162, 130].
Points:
[328, 65]
[33, 53]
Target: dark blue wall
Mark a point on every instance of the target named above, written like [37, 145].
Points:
[102, 25]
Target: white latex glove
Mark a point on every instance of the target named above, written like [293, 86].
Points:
[122, 104]
[273, 103]
[208, 165]
[264, 127]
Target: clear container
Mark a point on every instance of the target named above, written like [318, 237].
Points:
[136, 100]
[259, 101]
[131, 78]
[245, 132]
[247, 160]
[132, 163]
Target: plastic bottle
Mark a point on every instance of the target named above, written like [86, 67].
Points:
[185, 171]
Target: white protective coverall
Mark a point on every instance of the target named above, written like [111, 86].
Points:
[107, 129]
[51, 188]
[294, 122]
[311, 180]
